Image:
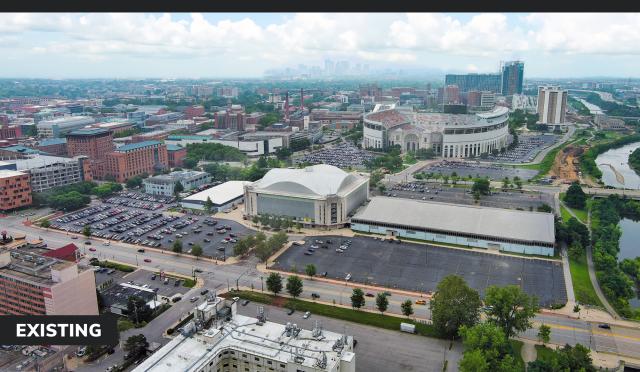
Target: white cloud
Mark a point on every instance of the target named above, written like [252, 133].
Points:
[309, 37]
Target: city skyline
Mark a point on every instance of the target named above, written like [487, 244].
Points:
[249, 45]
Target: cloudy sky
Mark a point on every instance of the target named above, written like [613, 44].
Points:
[245, 44]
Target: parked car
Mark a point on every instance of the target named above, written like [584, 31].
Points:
[153, 277]
[369, 294]
[92, 249]
[141, 250]
[176, 299]
[604, 326]
[204, 292]
[245, 302]
[87, 242]
[315, 295]
[421, 302]
[194, 299]
[147, 260]
[307, 315]
[291, 311]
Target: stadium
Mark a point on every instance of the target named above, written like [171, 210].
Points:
[449, 135]
[317, 196]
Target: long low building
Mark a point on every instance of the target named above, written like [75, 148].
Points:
[467, 225]
[223, 196]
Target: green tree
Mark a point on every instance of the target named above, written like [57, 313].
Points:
[178, 188]
[407, 308]
[506, 183]
[310, 270]
[137, 310]
[274, 283]
[294, 286]
[568, 358]
[481, 185]
[255, 220]
[518, 182]
[208, 205]
[86, 231]
[510, 308]
[196, 250]
[135, 347]
[544, 333]
[357, 298]
[474, 361]
[454, 305]
[575, 197]
[241, 248]
[134, 182]
[177, 246]
[45, 223]
[382, 302]
[485, 343]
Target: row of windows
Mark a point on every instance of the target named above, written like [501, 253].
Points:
[444, 234]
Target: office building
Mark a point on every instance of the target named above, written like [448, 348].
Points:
[218, 339]
[53, 146]
[15, 190]
[477, 82]
[34, 284]
[317, 196]
[47, 172]
[135, 159]
[164, 184]
[94, 143]
[451, 95]
[512, 78]
[552, 105]
[232, 118]
[59, 127]
[223, 197]
[466, 225]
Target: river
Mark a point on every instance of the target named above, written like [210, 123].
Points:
[629, 247]
[593, 109]
[615, 168]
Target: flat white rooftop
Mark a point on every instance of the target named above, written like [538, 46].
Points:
[244, 335]
[468, 219]
[220, 194]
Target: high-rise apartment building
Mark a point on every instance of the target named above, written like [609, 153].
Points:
[552, 105]
[512, 78]
[479, 82]
[15, 190]
[34, 284]
[451, 95]
[94, 143]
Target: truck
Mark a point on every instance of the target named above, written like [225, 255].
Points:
[406, 327]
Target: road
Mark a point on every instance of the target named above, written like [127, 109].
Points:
[625, 341]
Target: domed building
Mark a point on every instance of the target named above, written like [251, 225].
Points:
[319, 195]
[449, 135]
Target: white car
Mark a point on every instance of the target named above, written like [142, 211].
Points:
[307, 314]
[106, 243]
[348, 277]
[224, 241]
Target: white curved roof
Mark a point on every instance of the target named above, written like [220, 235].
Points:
[316, 180]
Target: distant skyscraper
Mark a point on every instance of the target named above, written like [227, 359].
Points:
[512, 77]
[552, 104]
[468, 82]
[328, 67]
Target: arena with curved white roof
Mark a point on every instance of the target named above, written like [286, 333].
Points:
[449, 135]
[319, 195]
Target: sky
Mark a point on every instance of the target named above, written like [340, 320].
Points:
[245, 45]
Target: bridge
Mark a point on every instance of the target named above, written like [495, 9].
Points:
[603, 193]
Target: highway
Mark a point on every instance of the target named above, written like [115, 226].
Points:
[622, 340]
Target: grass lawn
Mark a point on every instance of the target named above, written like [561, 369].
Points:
[582, 286]
[543, 353]
[566, 216]
[580, 213]
[356, 316]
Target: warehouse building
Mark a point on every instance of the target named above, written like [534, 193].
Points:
[223, 197]
[466, 225]
[317, 196]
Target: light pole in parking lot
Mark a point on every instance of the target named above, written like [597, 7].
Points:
[261, 284]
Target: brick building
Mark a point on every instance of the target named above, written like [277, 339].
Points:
[94, 143]
[53, 146]
[176, 155]
[10, 131]
[15, 190]
[193, 111]
[135, 159]
[33, 284]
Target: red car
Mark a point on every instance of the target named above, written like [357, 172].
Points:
[92, 249]
[147, 260]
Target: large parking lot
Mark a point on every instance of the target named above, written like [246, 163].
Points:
[527, 148]
[419, 267]
[122, 218]
[465, 169]
[343, 155]
[525, 200]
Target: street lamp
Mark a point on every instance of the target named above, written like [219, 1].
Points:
[261, 284]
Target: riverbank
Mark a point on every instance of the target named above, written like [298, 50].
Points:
[634, 161]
